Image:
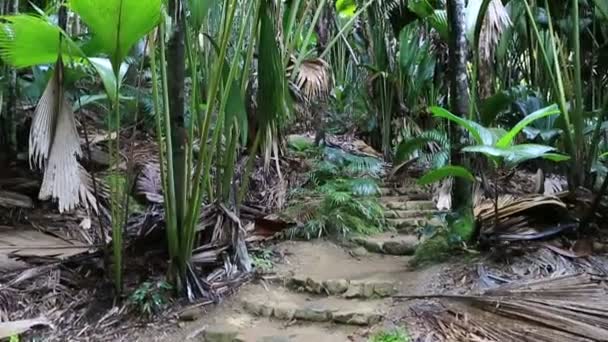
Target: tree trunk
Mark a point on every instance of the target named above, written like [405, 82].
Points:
[7, 118]
[459, 103]
[176, 69]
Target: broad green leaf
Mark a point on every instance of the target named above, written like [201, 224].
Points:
[490, 151]
[507, 139]
[409, 146]
[481, 135]
[523, 152]
[346, 8]
[602, 7]
[118, 24]
[556, 157]
[27, 40]
[493, 105]
[603, 155]
[444, 172]
[439, 21]
[422, 8]
[103, 66]
[199, 9]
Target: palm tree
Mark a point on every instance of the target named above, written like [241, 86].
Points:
[459, 102]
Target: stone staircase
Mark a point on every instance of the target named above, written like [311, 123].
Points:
[320, 292]
[407, 208]
[325, 292]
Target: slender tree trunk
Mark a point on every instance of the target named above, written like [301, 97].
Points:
[176, 68]
[7, 118]
[459, 103]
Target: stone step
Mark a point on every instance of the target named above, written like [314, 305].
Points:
[403, 191]
[281, 304]
[410, 205]
[395, 214]
[345, 288]
[407, 225]
[241, 327]
[389, 243]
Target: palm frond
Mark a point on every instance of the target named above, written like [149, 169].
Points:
[313, 78]
[28, 40]
[54, 147]
[118, 24]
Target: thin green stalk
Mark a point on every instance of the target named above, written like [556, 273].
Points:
[578, 92]
[171, 207]
[250, 48]
[171, 238]
[289, 29]
[196, 198]
[226, 94]
[346, 26]
[116, 219]
[249, 166]
[311, 28]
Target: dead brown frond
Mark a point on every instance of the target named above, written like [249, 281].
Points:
[313, 78]
[524, 218]
[19, 243]
[567, 308]
[55, 146]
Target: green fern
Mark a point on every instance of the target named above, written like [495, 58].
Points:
[433, 147]
[345, 187]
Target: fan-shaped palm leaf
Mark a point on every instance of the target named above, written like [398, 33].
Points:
[118, 24]
[27, 40]
[54, 147]
[313, 78]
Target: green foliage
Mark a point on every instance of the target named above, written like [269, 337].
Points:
[497, 144]
[445, 172]
[343, 188]
[28, 40]
[300, 143]
[432, 146]
[394, 335]
[118, 24]
[262, 260]
[14, 338]
[150, 298]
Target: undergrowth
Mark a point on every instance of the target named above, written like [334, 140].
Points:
[441, 241]
[150, 298]
[395, 335]
[340, 197]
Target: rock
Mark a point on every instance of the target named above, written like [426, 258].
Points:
[221, 333]
[191, 314]
[313, 315]
[284, 313]
[359, 289]
[274, 339]
[369, 244]
[400, 247]
[419, 205]
[359, 251]
[296, 282]
[335, 287]
[314, 286]
[356, 318]
[385, 289]
[259, 309]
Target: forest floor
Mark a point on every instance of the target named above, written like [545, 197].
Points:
[324, 290]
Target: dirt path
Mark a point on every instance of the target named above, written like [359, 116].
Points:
[322, 291]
